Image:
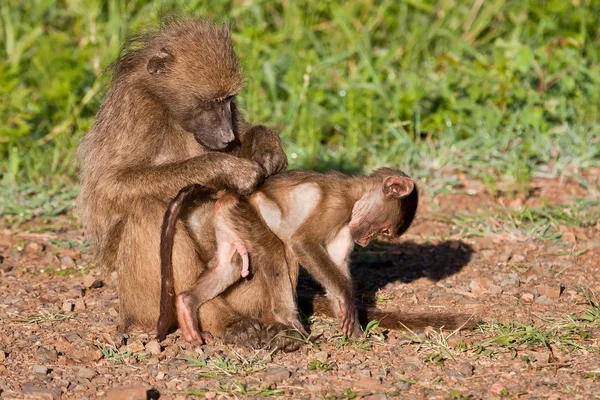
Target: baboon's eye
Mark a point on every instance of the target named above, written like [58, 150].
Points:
[386, 232]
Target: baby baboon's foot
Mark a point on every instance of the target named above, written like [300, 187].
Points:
[247, 332]
[187, 316]
[283, 337]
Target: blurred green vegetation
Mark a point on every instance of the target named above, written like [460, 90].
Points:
[498, 89]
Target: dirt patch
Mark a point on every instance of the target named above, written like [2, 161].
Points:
[531, 281]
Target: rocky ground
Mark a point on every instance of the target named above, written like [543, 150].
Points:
[526, 264]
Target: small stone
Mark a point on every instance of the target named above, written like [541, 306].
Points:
[41, 393]
[314, 388]
[80, 305]
[552, 292]
[465, 369]
[497, 389]
[46, 355]
[210, 395]
[160, 376]
[67, 261]
[517, 258]
[321, 356]
[544, 300]
[505, 256]
[527, 297]
[153, 347]
[67, 306]
[112, 312]
[33, 248]
[130, 392]
[276, 375]
[484, 285]
[88, 280]
[40, 369]
[364, 372]
[135, 347]
[568, 237]
[2, 355]
[172, 384]
[76, 291]
[86, 373]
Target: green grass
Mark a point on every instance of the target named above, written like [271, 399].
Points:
[506, 91]
[539, 223]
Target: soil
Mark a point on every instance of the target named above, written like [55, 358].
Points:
[539, 336]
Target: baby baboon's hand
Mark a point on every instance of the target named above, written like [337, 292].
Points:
[349, 318]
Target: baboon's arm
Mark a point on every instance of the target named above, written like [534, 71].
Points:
[213, 170]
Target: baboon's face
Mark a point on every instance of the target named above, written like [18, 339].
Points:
[380, 212]
[200, 102]
[211, 122]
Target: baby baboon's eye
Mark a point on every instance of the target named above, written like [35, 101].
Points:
[385, 232]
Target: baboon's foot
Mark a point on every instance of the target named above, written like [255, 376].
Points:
[283, 337]
[246, 332]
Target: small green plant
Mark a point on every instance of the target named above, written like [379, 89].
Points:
[240, 389]
[42, 316]
[318, 365]
[230, 365]
[112, 354]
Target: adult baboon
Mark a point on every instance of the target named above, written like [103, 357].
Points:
[168, 120]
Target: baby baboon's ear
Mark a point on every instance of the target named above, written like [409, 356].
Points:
[161, 62]
[398, 187]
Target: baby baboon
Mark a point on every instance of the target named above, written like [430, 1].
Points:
[317, 218]
[168, 120]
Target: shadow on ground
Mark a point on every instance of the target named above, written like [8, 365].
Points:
[380, 264]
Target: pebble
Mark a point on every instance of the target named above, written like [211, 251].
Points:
[153, 347]
[86, 373]
[112, 312]
[465, 369]
[67, 306]
[527, 297]
[33, 248]
[46, 355]
[41, 393]
[2, 355]
[568, 237]
[40, 369]
[321, 356]
[88, 280]
[544, 300]
[67, 261]
[497, 389]
[550, 291]
[276, 375]
[131, 392]
[80, 305]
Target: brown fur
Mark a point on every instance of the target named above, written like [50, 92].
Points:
[383, 203]
[167, 121]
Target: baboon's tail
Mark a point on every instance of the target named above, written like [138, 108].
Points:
[167, 238]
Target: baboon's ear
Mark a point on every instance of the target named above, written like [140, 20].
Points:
[161, 62]
[398, 187]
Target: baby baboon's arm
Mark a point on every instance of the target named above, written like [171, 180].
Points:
[318, 263]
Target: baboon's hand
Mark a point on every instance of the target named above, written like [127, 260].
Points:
[265, 148]
[272, 160]
[244, 176]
